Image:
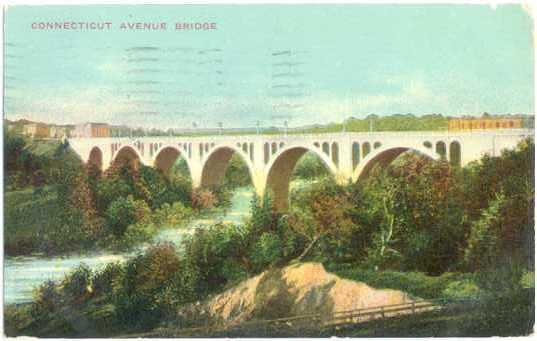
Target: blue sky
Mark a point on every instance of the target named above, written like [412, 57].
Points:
[300, 63]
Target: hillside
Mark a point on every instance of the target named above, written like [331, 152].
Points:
[303, 288]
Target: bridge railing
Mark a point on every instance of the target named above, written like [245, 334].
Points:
[330, 135]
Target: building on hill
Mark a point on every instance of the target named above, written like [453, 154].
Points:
[36, 130]
[11, 126]
[58, 132]
[91, 129]
[484, 123]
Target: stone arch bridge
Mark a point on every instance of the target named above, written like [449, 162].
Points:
[271, 158]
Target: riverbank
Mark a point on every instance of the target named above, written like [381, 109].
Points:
[298, 289]
[22, 274]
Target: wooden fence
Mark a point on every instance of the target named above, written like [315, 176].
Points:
[321, 321]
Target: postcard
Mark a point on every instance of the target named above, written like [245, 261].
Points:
[269, 170]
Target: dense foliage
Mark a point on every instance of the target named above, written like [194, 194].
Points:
[418, 225]
[55, 204]
[420, 215]
[309, 167]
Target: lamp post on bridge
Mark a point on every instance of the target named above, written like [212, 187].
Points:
[221, 128]
[285, 128]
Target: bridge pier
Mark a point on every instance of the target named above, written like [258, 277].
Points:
[259, 182]
[345, 166]
[195, 175]
[258, 175]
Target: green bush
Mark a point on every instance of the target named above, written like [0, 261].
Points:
[106, 281]
[415, 283]
[237, 174]
[501, 280]
[144, 279]
[528, 280]
[506, 314]
[124, 212]
[171, 215]
[267, 251]
[182, 289]
[208, 249]
[77, 282]
[463, 289]
[310, 166]
[45, 298]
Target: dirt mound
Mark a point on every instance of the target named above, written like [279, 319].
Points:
[304, 288]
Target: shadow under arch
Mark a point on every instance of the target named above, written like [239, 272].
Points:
[95, 158]
[167, 156]
[126, 155]
[455, 156]
[384, 157]
[216, 163]
[281, 168]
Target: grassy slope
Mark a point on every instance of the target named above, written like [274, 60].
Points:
[26, 214]
[415, 283]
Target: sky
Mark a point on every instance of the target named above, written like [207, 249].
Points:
[266, 64]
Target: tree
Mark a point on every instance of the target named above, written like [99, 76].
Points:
[413, 206]
[326, 214]
[499, 200]
[203, 198]
[13, 148]
[310, 166]
[124, 212]
[483, 243]
[382, 249]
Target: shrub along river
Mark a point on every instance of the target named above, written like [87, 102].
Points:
[24, 273]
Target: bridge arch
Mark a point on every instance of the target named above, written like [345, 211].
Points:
[95, 158]
[384, 156]
[281, 167]
[215, 163]
[127, 154]
[166, 156]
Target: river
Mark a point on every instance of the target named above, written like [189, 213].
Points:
[23, 274]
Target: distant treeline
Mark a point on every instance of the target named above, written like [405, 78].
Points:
[397, 122]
